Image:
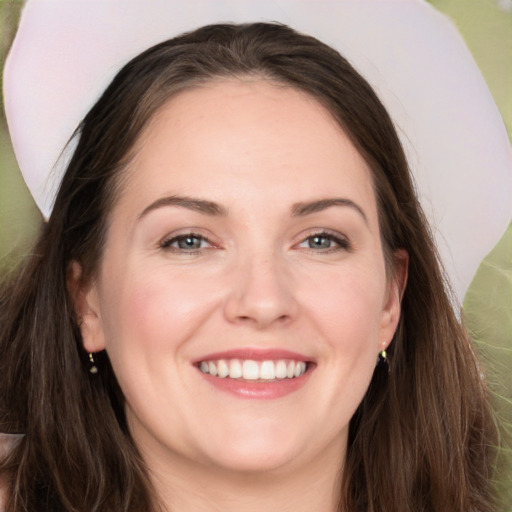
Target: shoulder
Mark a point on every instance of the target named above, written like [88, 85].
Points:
[7, 443]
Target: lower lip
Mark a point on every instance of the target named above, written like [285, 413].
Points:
[258, 389]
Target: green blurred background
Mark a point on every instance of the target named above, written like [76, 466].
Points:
[486, 25]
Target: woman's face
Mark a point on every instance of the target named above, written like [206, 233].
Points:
[242, 296]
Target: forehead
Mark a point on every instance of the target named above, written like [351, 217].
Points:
[250, 134]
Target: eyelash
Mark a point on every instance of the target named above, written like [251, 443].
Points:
[342, 244]
[167, 243]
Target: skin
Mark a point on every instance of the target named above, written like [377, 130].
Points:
[260, 281]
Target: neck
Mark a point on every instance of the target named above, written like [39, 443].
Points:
[187, 486]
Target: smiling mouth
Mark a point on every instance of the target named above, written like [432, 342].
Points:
[251, 370]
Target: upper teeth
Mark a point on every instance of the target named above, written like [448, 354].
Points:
[254, 370]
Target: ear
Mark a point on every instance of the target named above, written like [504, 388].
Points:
[395, 291]
[85, 299]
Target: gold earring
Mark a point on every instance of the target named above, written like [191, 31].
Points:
[383, 360]
[93, 368]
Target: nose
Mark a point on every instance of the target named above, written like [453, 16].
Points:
[262, 294]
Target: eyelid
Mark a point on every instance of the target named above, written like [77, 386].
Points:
[342, 242]
[166, 242]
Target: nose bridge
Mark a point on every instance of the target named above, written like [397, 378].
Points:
[262, 290]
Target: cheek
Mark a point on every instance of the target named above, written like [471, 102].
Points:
[346, 313]
[347, 305]
[343, 310]
[154, 312]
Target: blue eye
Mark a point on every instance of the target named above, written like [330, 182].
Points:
[320, 242]
[325, 242]
[188, 242]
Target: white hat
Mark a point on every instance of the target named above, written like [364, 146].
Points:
[67, 51]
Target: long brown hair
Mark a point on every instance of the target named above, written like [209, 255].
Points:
[423, 437]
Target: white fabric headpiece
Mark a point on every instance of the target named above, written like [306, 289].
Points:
[66, 52]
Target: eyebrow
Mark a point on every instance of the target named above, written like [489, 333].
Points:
[191, 203]
[214, 209]
[302, 209]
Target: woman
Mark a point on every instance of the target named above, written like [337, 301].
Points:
[234, 245]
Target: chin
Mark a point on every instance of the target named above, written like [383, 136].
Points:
[258, 449]
[247, 460]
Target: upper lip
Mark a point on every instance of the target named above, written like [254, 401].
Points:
[255, 354]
